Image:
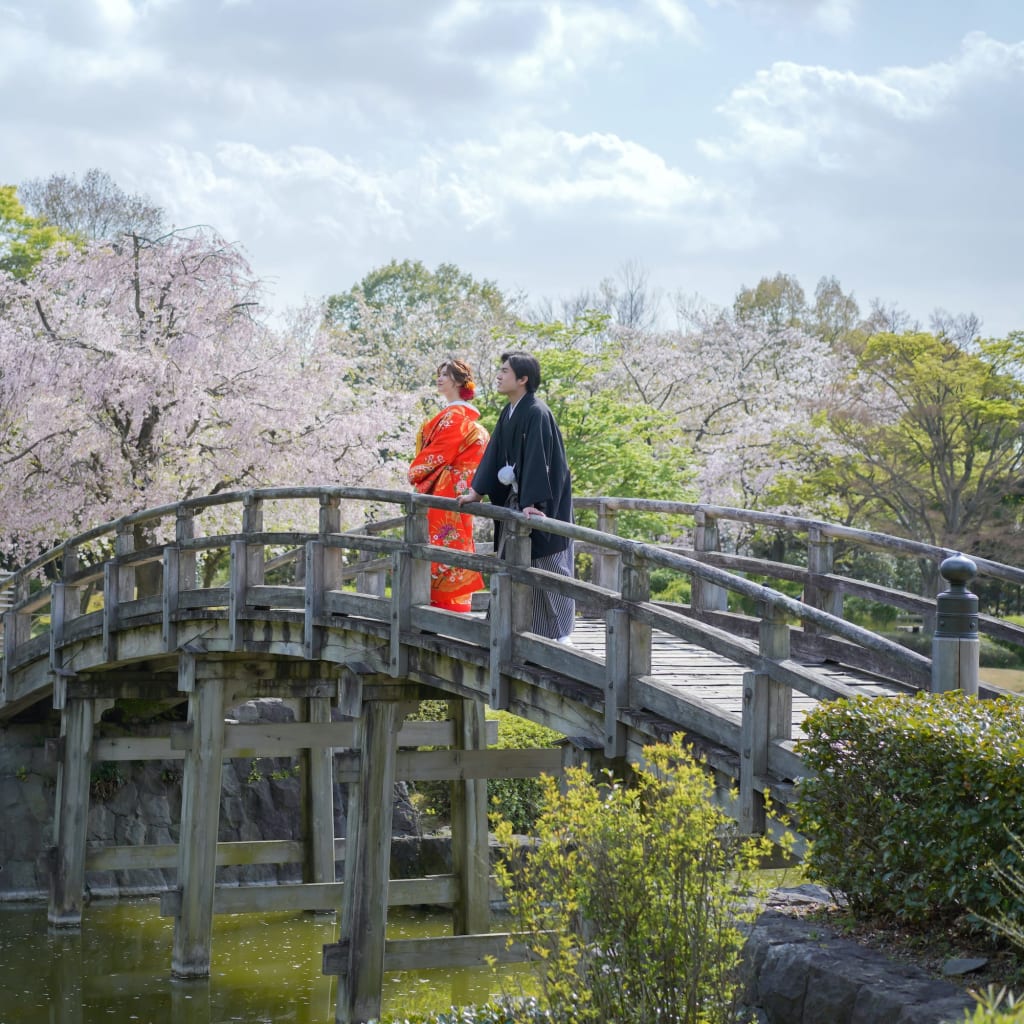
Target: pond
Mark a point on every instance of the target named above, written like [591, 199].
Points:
[265, 969]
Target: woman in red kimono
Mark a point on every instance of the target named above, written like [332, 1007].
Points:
[448, 449]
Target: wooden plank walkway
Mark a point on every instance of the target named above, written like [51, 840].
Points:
[691, 671]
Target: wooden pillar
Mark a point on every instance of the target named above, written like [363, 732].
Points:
[67, 875]
[200, 819]
[628, 655]
[471, 859]
[118, 587]
[818, 593]
[318, 791]
[767, 716]
[607, 563]
[410, 586]
[704, 595]
[511, 612]
[179, 575]
[367, 866]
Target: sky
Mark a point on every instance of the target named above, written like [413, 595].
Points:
[546, 145]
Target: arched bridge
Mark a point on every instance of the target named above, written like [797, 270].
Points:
[322, 595]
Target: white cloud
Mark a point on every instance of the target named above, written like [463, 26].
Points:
[817, 115]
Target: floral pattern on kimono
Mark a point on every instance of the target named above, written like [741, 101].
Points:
[448, 450]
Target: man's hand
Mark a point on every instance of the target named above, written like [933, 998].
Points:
[469, 495]
[531, 510]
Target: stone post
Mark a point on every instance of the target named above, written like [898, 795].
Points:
[956, 648]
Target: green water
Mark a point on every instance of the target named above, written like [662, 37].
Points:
[265, 969]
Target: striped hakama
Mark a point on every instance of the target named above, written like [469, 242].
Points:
[554, 615]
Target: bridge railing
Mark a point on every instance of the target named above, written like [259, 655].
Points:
[156, 568]
[158, 565]
[822, 586]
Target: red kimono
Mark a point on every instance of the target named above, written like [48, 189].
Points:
[448, 450]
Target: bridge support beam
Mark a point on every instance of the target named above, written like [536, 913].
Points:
[471, 860]
[367, 866]
[200, 818]
[767, 716]
[67, 875]
[318, 786]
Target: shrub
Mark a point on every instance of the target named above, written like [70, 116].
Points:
[634, 898]
[518, 800]
[909, 799]
[996, 1007]
[670, 586]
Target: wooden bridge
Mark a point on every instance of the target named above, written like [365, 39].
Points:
[202, 603]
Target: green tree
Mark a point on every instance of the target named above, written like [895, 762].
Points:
[402, 319]
[931, 440]
[23, 238]
[615, 445]
[777, 302]
[407, 285]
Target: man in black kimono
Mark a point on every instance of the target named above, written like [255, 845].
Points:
[524, 467]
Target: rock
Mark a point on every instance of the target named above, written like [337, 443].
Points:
[798, 971]
[963, 965]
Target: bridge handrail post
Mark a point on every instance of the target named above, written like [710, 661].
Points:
[17, 630]
[628, 653]
[179, 574]
[255, 554]
[118, 587]
[706, 596]
[820, 562]
[410, 586]
[65, 605]
[247, 567]
[956, 648]
[607, 564]
[511, 611]
[767, 715]
[322, 573]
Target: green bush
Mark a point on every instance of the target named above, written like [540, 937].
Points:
[633, 900]
[996, 1006]
[990, 654]
[908, 801]
[518, 800]
[670, 586]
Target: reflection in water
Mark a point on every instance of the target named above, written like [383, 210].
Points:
[265, 969]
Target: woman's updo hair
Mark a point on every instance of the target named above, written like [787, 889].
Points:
[460, 372]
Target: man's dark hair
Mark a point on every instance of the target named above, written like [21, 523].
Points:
[524, 365]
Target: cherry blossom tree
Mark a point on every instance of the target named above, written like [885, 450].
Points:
[742, 392]
[139, 374]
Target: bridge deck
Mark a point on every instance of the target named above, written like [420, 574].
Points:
[692, 671]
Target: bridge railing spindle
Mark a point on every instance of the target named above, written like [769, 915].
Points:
[65, 604]
[704, 595]
[118, 587]
[820, 562]
[511, 611]
[607, 564]
[767, 716]
[17, 630]
[410, 586]
[627, 653]
[247, 568]
[179, 575]
[323, 573]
